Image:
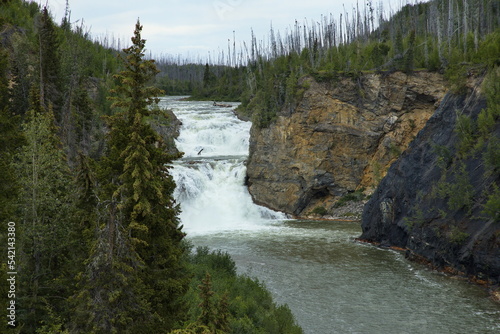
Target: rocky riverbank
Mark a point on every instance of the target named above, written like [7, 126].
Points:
[351, 211]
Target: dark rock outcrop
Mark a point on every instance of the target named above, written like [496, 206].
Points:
[167, 125]
[431, 202]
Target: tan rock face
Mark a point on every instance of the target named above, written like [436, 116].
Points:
[343, 136]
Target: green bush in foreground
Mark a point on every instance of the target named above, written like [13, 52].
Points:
[221, 301]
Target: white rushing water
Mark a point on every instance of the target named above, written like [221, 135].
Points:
[210, 177]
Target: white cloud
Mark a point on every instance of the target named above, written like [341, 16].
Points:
[179, 30]
[172, 26]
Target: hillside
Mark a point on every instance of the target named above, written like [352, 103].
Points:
[88, 216]
[85, 154]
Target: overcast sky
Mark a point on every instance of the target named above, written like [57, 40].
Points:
[195, 27]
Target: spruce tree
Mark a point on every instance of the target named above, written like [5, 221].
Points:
[208, 77]
[146, 189]
[10, 140]
[140, 217]
[214, 316]
[49, 64]
[82, 115]
[410, 54]
[45, 212]
[398, 51]
[110, 296]
[208, 311]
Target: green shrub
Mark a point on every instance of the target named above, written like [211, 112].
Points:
[415, 220]
[491, 156]
[320, 210]
[355, 196]
[459, 192]
[492, 205]
[250, 306]
[445, 157]
[485, 124]
[457, 78]
[394, 150]
[457, 236]
[466, 130]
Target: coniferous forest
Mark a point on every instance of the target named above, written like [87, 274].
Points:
[85, 180]
[86, 198]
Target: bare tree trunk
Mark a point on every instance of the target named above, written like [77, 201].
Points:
[465, 26]
[341, 36]
[450, 26]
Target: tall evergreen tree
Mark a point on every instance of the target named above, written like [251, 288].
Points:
[10, 140]
[49, 64]
[208, 311]
[45, 216]
[142, 216]
[398, 50]
[82, 114]
[110, 296]
[147, 188]
[409, 58]
[208, 77]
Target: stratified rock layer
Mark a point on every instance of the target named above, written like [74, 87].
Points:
[341, 137]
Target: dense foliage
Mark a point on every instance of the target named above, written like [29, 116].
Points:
[221, 301]
[86, 181]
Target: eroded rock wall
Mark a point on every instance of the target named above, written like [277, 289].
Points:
[431, 201]
[342, 136]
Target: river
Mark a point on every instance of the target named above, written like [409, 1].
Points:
[331, 283]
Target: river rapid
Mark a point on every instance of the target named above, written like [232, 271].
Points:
[332, 283]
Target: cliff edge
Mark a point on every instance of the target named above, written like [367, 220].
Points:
[342, 137]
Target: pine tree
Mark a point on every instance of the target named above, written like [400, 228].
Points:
[208, 77]
[214, 316]
[20, 76]
[141, 218]
[208, 311]
[82, 114]
[111, 295]
[49, 65]
[45, 218]
[223, 314]
[147, 190]
[398, 51]
[10, 140]
[410, 53]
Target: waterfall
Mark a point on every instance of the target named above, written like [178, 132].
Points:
[210, 176]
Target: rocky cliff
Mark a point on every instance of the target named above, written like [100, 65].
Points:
[342, 136]
[440, 199]
[168, 126]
